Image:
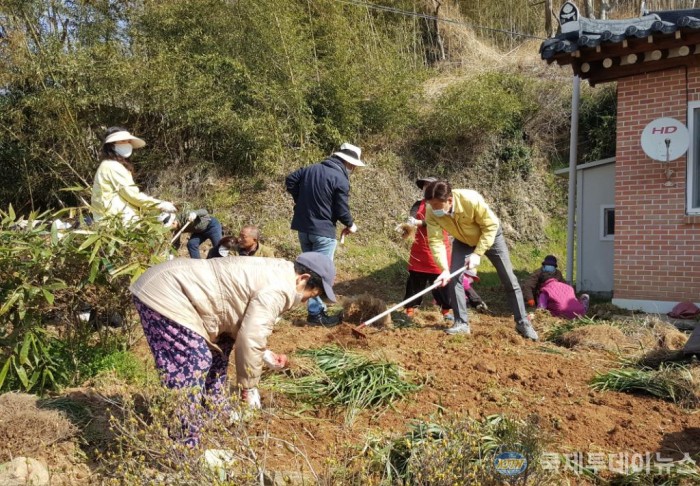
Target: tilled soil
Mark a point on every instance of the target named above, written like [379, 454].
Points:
[492, 371]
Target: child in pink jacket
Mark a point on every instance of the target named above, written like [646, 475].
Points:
[560, 300]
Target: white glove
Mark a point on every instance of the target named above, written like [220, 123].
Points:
[414, 222]
[192, 216]
[346, 231]
[275, 361]
[444, 278]
[252, 397]
[472, 261]
[166, 207]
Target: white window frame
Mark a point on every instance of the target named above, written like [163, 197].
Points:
[690, 160]
[603, 236]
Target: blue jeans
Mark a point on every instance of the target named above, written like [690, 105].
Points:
[320, 244]
[213, 233]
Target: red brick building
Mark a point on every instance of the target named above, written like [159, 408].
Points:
[655, 60]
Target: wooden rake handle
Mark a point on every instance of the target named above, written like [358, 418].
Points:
[404, 302]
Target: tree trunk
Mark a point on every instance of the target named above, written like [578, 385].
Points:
[548, 18]
[606, 7]
[434, 46]
[588, 9]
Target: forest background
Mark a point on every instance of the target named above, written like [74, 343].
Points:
[232, 95]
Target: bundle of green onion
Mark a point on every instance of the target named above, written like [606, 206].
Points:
[341, 378]
[670, 382]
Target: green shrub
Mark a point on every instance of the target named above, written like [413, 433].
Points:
[234, 86]
[125, 366]
[35, 364]
[48, 279]
[459, 451]
[146, 447]
[598, 123]
[470, 113]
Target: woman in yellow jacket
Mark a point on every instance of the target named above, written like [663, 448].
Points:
[464, 214]
[114, 191]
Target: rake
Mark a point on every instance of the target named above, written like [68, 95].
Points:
[357, 331]
[177, 235]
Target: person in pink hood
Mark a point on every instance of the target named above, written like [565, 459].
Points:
[560, 299]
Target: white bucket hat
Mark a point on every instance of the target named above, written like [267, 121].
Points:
[350, 154]
[125, 136]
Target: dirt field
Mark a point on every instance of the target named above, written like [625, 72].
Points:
[492, 371]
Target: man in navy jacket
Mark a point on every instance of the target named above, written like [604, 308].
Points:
[321, 192]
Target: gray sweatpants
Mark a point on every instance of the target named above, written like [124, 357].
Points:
[499, 256]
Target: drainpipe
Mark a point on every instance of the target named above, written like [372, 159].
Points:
[573, 155]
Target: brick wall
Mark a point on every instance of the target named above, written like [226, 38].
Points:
[657, 247]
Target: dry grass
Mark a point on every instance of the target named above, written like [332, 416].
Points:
[358, 309]
[648, 343]
[653, 335]
[407, 231]
[27, 429]
[662, 344]
[668, 337]
[597, 336]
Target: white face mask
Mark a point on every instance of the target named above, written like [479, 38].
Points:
[123, 149]
[223, 252]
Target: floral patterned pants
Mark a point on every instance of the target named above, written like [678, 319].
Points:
[185, 361]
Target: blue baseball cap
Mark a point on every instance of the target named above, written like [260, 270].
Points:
[323, 266]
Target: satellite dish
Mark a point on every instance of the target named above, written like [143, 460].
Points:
[665, 139]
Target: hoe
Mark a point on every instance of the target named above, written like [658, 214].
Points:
[357, 331]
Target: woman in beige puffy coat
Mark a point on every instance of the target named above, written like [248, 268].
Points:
[195, 312]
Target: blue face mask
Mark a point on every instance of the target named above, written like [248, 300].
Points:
[439, 212]
[548, 268]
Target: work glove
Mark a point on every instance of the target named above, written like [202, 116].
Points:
[346, 231]
[275, 361]
[443, 279]
[167, 207]
[192, 216]
[472, 261]
[414, 222]
[251, 397]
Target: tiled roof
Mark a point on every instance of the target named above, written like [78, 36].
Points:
[586, 32]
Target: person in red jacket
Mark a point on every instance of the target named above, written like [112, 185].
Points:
[422, 269]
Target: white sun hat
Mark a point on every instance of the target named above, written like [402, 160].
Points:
[350, 154]
[124, 136]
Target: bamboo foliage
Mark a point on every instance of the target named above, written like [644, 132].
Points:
[232, 84]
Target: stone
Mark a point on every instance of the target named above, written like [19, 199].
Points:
[24, 471]
[284, 478]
